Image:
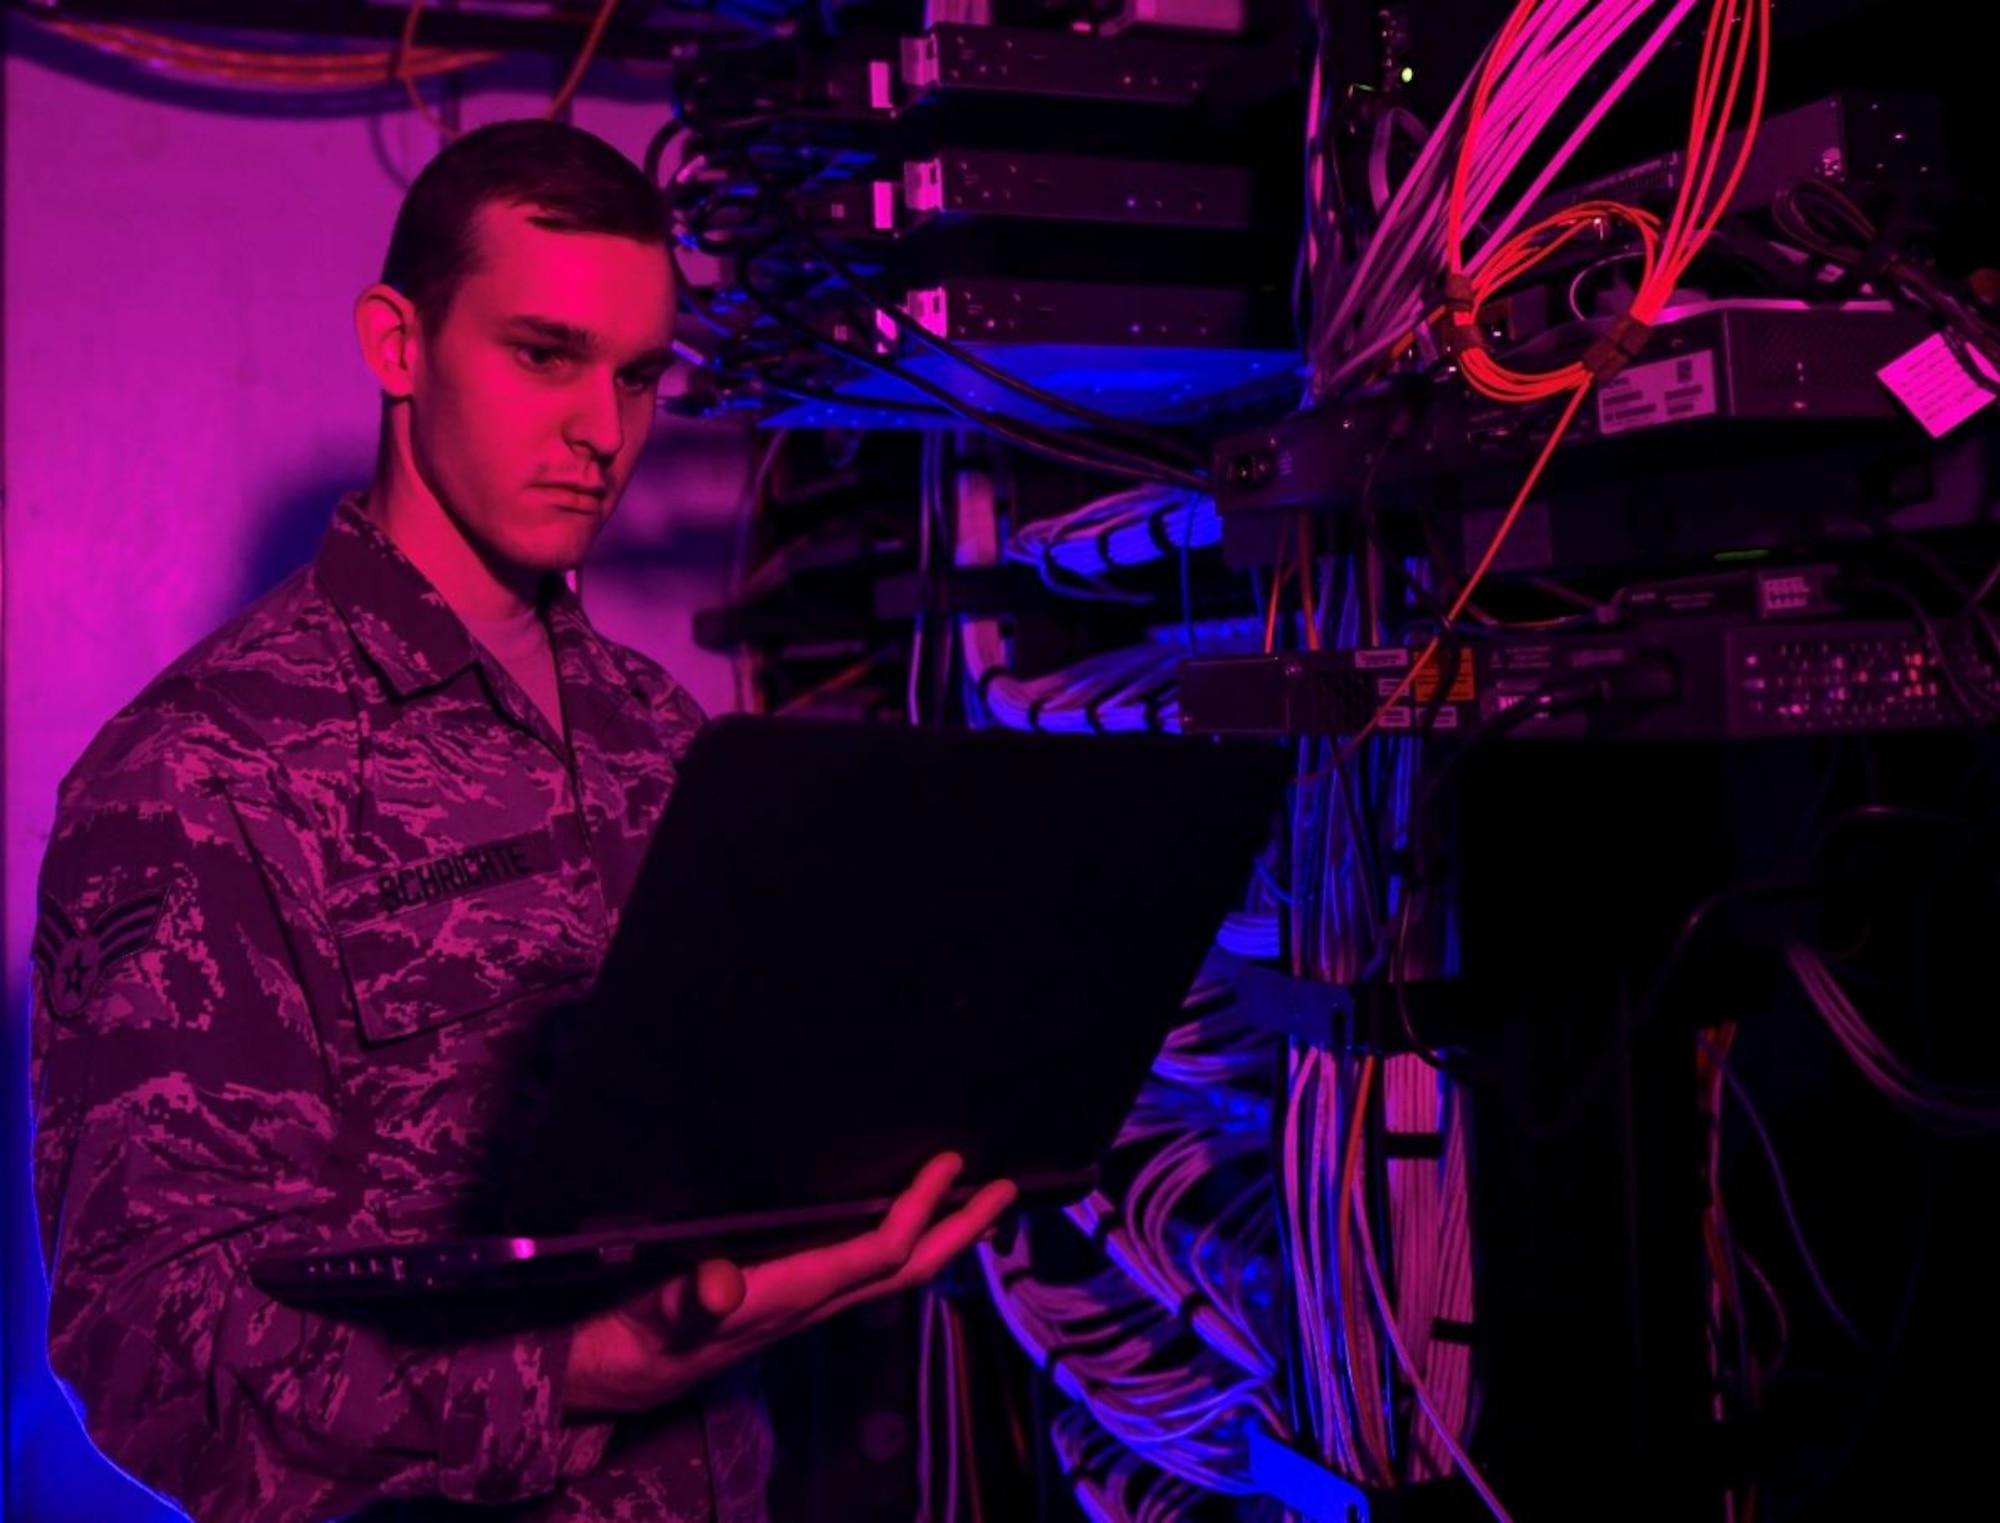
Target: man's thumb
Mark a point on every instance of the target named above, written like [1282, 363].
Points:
[692, 1304]
[719, 1287]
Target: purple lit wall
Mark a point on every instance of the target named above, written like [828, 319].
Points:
[183, 404]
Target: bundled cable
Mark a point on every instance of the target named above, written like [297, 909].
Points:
[1334, 903]
[1210, 1275]
[1182, 1411]
[1121, 690]
[1111, 1347]
[265, 68]
[1113, 1485]
[1355, 1203]
[1738, 30]
[1362, 1131]
[1714, 1055]
[1526, 76]
[1956, 1109]
[1191, 1235]
[1131, 528]
[1541, 54]
[1431, 1243]
[1826, 222]
[1169, 1349]
[565, 92]
[737, 196]
[1252, 933]
[1735, 1365]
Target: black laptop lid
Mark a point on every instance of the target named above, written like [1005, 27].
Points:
[854, 945]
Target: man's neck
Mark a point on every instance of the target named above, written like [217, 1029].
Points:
[403, 507]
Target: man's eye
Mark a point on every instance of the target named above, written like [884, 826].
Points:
[640, 382]
[538, 356]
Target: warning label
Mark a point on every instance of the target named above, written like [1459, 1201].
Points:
[1423, 687]
[1662, 391]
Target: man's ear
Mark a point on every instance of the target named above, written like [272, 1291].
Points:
[386, 324]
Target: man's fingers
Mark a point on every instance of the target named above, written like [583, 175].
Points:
[804, 1283]
[958, 1232]
[939, 1246]
[800, 1287]
[909, 1246]
[889, 1246]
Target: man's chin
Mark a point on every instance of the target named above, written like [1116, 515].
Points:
[562, 547]
[523, 566]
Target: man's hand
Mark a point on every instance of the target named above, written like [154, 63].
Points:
[665, 1342]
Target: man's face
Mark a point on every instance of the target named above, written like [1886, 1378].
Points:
[532, 401]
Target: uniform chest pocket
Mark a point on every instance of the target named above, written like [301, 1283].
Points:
[464, 932]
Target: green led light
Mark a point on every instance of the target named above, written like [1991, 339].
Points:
[1742, 555]
[1408, 74]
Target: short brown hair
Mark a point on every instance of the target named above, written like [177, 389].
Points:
[577, 183]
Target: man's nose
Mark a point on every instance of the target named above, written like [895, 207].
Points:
[596, 422]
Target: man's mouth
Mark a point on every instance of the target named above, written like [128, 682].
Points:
[581, 491]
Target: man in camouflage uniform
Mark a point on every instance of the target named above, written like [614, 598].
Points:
[310, 898]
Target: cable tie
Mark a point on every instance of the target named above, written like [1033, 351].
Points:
[1415, 1145]
[1618, 348]
[1450, 1330]
[1101, 541]
[987, 678]
[1456, 327]
[1192, 1304]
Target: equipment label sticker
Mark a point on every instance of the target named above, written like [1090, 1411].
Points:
[1940, 384]
[1662, 391]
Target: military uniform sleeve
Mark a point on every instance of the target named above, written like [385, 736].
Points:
[183, 1114]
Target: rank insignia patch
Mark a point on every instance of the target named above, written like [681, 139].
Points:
[73, 958]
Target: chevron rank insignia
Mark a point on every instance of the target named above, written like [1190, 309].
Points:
[73, 958]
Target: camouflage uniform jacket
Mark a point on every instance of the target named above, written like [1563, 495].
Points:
[304, 903]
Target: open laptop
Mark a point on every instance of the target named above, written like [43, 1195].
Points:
[851, 947]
